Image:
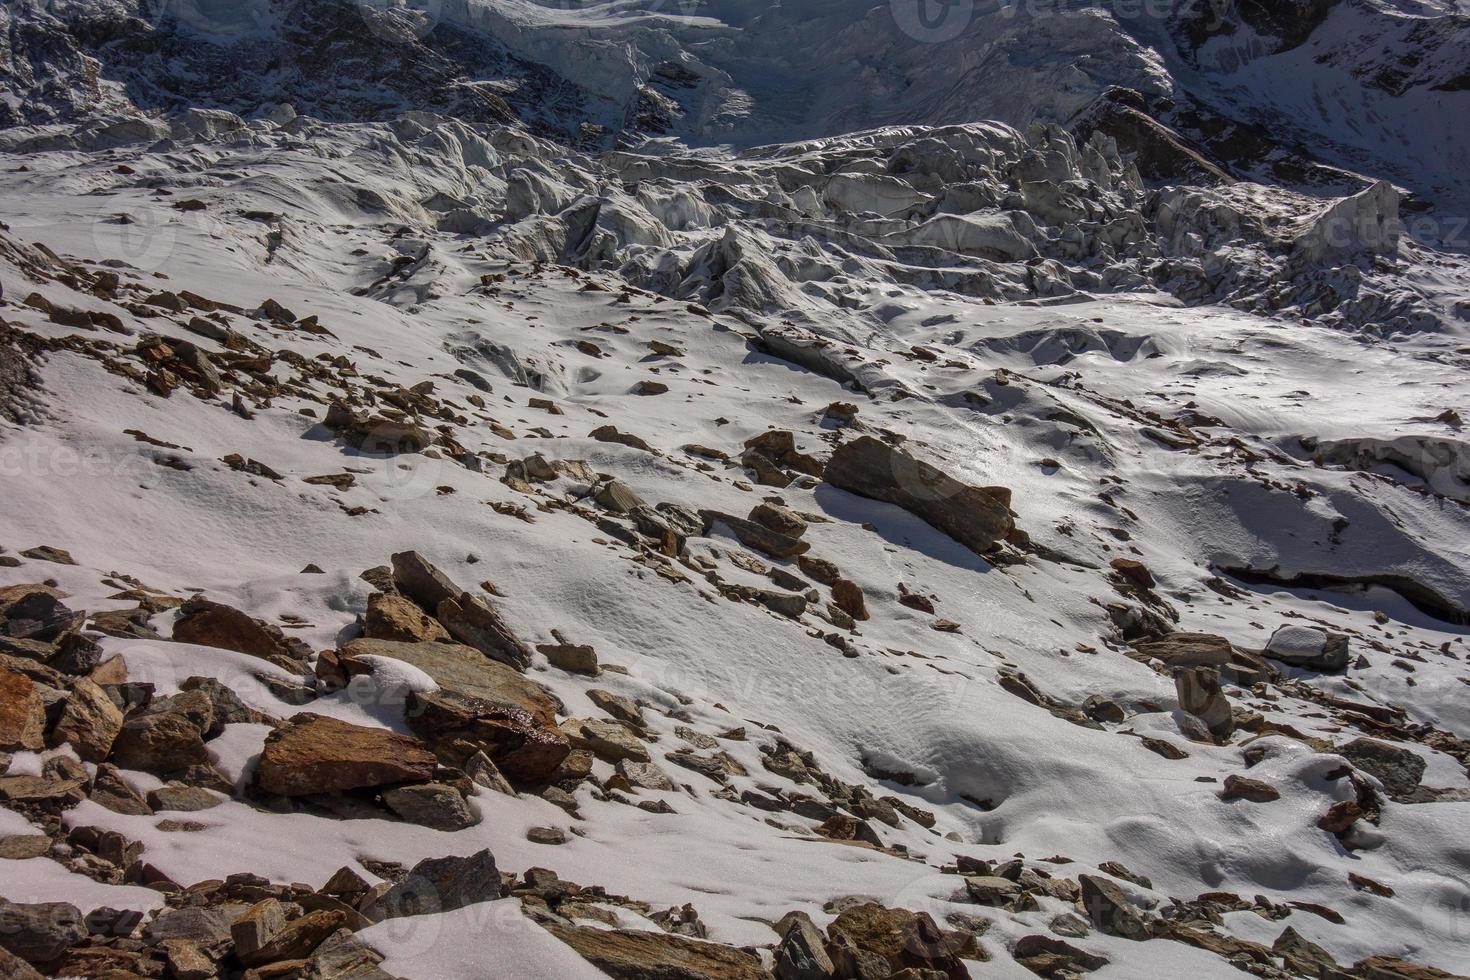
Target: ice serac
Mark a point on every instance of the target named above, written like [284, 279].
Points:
[976, 517]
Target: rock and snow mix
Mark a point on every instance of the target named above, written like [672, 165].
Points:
[431, 550]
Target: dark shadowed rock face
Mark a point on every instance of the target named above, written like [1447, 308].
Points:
[975, 517]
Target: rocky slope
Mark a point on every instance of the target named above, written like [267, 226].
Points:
[438, 543]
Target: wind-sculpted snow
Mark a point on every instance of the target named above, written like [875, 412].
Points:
[682, 460]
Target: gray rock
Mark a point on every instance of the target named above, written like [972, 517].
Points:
[1310, 647]
[802, 955]
[436, 805]
[1399, 769]
[440, 885]
[41, 932]
[1110, 910]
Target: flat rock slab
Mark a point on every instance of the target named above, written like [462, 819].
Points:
[315, 754]
[468, 671]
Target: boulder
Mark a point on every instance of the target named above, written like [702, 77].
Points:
[436, 805]
[392, 617]
[40, 932]
[89, 723]
[782, 520]
[608, 740]
[167, 735]
[440, 885]
[976, 517]
[1199, 694]
[756, 536]
[315, 754]
[849, 598]
[1399, 769]
[1241, 788]
[802, 954]
[1110, 910]
[1188, 650]
[518, 745]
[458, 668]
[214, 624]
[1309, 647]
[903, 939]
[625, 954]
[474, 622]
[22, 713]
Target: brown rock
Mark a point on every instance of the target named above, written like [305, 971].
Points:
[110, 790]
[1134, 571]
[392, 617]
[167, 735]
[975, 517]
[89, 723]
[903, 939]
[1199, 694]
[782, 520]
[22, 714]
[316, 754]
[849, 598]
[436, 805]
[1241, 788]
[463, 670]
[213, 624]
[1110, 910]
[462, 727]
[1188, 650]
[637, 955]
[756, 536]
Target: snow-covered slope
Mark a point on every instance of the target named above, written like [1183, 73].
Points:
[1009, 561]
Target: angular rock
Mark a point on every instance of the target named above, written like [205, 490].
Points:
[1188, 650]
[1110, 910]
[637, 955]
[976, 517]
[782, 520]
[644, 775]
[461, 727]
[802, 954]
[110, 790]
[315, 754]
[1241, 788]
[178, 796]
[474, 622]
[464, 670]
[1399, 769]
[256, 927]
[1200, 695]
[89, 723]
[167, 735]
[575, 658]
[1309, 647]
[903, 939]
[849, 598]
[297, 940]
[436, 805]
[22, 714]
[214, 624]
[392, 617]
[609, 741]
[991, 890]
[440, 885]
[40, 932]
[756, 536]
